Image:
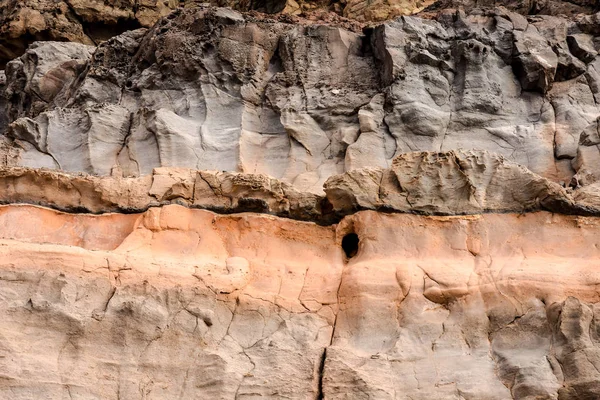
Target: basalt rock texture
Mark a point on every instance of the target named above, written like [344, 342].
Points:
[208, 204]
[87, 22]
[93, 21]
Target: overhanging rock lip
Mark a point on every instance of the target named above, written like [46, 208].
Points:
[414, 184]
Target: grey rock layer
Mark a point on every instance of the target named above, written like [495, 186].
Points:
[214, 89]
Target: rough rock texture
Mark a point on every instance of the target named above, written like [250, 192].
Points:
[525, 7]
[425, 183]
[179, 303]
[83, 21]
[489, 307]
[242, 206]
[455, 182]
[218, 191]
[214, 89]
[92, 21]
[3, 117]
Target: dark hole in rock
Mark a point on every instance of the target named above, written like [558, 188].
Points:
[267, 6]
[326, 206]
[100, 31]
[248, 204]
[350, 244]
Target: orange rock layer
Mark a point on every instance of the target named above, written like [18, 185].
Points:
[180, 303]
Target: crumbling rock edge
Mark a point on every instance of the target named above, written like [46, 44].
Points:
[445, 183]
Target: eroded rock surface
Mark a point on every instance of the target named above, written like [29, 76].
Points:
[218, 191]
[477, 308]
[179, 303]
[287, 208]
[455, 182]
[92, 21]
[214, 89]
[84, 21]
[424, 183]
[230, 317]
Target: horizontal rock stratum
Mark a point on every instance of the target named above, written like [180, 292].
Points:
[449, 183]
[319, 203]
[180, 303]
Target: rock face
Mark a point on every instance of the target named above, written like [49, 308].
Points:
[465, 308]
[87, 22]
[178, 303]
[215, 326]
[423, 183]
[214, 89]
[208, 204]
[93, 21]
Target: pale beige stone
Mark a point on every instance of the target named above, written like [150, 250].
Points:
[194, 304]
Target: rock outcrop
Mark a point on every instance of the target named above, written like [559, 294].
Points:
[179, 303]
[212, 204]
[93, 21]
[450, 183]
[214, 89]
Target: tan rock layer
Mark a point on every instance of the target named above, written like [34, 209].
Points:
[218, 191]
[456, 182]
[180, 303]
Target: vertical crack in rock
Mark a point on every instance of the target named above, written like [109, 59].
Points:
[80, 21]
[321, 373]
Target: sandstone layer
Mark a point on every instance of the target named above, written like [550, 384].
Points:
[450, 183]
[179, 303]
[201, 203]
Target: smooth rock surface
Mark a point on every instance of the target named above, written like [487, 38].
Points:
[122, 318]
[179, 303]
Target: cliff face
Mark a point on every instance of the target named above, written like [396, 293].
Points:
[212, 204]
[92, 21]
[179, 303]
[213, 89]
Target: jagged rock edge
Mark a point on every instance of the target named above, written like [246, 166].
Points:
[81, 193]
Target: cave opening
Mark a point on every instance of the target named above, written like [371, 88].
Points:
[350, 244]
